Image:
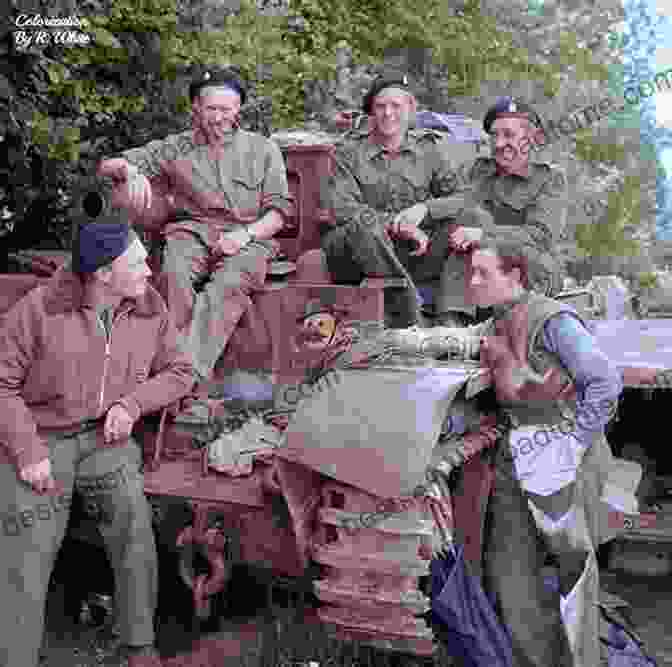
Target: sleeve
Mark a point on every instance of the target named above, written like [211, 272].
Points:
[172, 374]
[275, 190]
[546, 218]
[598, 382]
[149, 159]
[456, 343]
[19, 342]
[342, 194]
[451, 182]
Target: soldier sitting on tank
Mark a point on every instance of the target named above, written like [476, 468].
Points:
[223, 192]
[393, 192]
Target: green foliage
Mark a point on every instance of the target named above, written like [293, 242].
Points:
[591, 151]
[581, 58]
[647, 281]
[61, 145]
[611, 235]
[140, 43]
[470, 45]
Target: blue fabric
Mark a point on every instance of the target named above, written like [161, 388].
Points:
[623, 649]
[466, 619]
[100, 243]
[598, 381]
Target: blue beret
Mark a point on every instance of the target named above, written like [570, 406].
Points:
[220, 77]
[509, 106]
[102, 232]
[100, 243]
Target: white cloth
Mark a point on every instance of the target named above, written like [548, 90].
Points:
[546, 458]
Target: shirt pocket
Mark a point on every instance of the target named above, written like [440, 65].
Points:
[505, 213]
[248, 184]
[408, 188]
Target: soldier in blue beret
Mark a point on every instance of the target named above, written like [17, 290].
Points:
[526, 199]
[82, 359]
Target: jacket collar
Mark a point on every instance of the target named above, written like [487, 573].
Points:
[374, 149]
[65, 293]
[525, 172]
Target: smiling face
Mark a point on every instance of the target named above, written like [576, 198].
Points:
[393, 109]
[511, 140]
[216, 110]
[126, 277]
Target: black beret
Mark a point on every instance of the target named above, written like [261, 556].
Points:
[218, 77]
[508, 106]
[387, 80]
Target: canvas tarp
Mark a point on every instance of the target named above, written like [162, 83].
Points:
[374, 429]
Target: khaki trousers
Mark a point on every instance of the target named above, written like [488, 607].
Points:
[32, 530]
[209, 317]
[355, 252]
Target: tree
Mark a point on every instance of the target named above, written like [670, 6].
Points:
[611, 235]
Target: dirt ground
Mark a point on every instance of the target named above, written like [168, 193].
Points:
[68, 644]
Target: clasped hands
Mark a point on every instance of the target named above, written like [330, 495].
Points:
[118, 426]
[405, 226]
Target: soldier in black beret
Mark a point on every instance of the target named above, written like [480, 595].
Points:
[396, 80]
[218, 194]
[510, 107]
[393, 193]
[224, 78]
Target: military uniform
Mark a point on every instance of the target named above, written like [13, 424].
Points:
[531, 211]
[368, 188]
[212, 191]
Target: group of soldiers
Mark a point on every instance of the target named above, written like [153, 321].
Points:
[84, 357]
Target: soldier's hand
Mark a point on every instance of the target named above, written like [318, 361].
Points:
[118, 424]
[138, 188]
[410, 232]
[229, 245]
[38, 475]
[413, 215]
[459, 239]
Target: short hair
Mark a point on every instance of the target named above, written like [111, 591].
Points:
[511, 256]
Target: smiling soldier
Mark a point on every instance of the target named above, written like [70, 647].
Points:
[222, 194]
[393, 192]
[81, 359]
[527, 200]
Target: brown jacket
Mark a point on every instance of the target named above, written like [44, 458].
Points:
[58, 369]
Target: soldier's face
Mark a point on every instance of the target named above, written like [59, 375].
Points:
[512, 140]
[487, 284]
[128, 274]
[392, 109]
[216, 111]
